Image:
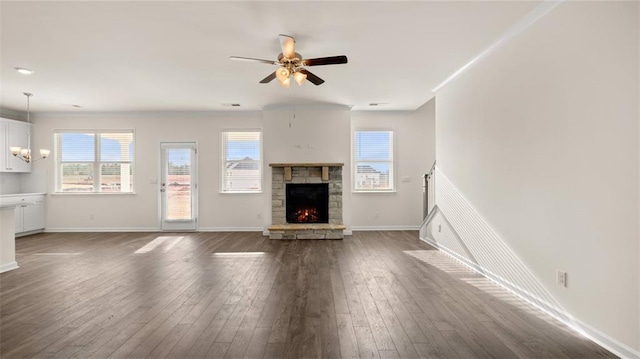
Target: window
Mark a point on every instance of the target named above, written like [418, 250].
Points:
[373, 160]
[241, 161]
[94, 161]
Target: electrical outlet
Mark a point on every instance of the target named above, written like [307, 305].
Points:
[91, 216]
[259, 215]
[561, 278]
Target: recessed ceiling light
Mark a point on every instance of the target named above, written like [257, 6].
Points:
[24, 71]
[76, 106]
[378, 103]
[231, 104]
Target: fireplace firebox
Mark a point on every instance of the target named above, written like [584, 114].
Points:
[307, 203]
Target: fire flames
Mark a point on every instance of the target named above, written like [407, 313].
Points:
[306, 215]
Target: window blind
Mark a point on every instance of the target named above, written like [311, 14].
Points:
[373, 160]
[241, 161]
[94, 161]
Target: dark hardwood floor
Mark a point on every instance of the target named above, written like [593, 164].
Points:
[235, 295]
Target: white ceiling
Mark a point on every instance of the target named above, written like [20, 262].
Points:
[174, 56]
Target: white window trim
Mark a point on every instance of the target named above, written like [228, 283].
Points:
[57, 178]
[354, 163]
[223, 162]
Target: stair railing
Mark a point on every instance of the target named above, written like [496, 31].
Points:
[429, 191]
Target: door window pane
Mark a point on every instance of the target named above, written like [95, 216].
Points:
[178, 185]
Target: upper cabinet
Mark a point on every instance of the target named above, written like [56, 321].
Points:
[13, 133]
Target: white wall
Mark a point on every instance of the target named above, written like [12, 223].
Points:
[541, 139]
[316, 134]
[140, 211]
[415, 153]
[10, 183]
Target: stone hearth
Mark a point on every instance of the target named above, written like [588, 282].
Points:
[283, 173]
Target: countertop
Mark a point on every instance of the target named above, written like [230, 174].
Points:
[20, 194]
[11, 200]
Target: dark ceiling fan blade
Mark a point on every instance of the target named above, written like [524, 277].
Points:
[312, 78]
[249, 59]
[269, 78]
[288, 46]
[332, 60]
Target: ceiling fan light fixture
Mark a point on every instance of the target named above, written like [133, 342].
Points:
[299, 77]
[290, 63]
[282, 73]
[286, 83]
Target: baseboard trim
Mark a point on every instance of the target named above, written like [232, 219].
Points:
[230, 229]
[28, 233]
[384, 228]
[101, 229]
[616, 347]
[149, 229]
[9, 266]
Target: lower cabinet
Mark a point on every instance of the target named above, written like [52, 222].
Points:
[29, 217]
[29, 212]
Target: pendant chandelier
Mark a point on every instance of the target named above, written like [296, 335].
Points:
[25, 153]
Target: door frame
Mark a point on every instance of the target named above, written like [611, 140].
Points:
[194, 185]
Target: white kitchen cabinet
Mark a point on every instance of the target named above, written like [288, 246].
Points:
[33, 216]
[29, 217]
[29, 212]
[13, 133]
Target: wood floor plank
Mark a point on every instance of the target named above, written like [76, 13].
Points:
[274, 351]
[339, 297]
[169, 341]
[258, 343]
[366, 344]
[329, 340]
[376, 323]
[235, 295]
[347, 337]
[203, 343]
[311, 347]
[400, 338]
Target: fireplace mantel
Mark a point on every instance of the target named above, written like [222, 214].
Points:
[319, 164]
[287, 168]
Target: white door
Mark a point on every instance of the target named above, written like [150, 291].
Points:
[178, 187]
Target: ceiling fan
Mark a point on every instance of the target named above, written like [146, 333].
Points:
[291, 64]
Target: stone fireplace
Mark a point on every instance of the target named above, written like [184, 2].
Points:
[306, 201]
